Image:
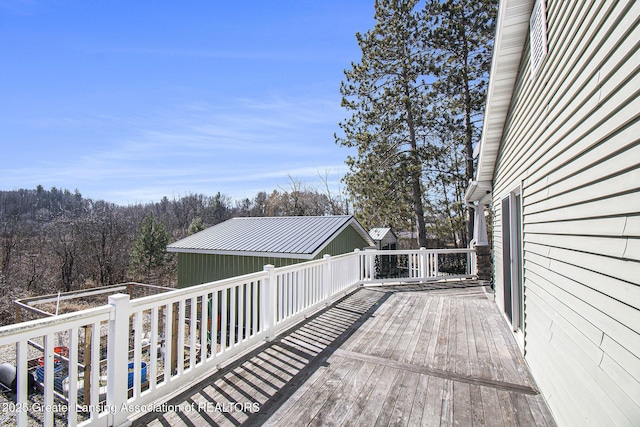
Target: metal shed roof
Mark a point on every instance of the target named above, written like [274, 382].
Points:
[290, 237]
[380, 233]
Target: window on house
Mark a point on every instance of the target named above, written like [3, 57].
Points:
[538, 34]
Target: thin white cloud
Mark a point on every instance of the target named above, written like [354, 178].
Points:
[237, 187]
[204, 148]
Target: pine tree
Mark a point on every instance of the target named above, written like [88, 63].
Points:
[384, 92]
[196, 226]
[149, 248]
[416, 100]
[459, 36]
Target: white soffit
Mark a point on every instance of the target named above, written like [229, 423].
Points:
[511, 35]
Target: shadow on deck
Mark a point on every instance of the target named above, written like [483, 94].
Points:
[420, 354]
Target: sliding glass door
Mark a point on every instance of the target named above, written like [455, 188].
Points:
[512, 259]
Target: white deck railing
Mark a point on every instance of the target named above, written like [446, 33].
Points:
[126, 355]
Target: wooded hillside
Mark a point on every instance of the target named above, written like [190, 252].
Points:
[55, 239]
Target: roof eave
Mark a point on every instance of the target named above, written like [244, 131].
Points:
[477, 191]
[290, 255]
[356, 225]
[511, 35]
[242, 253]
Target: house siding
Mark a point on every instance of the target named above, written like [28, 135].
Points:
[197, 268]
[571, 143]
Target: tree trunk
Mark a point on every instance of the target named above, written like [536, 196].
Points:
[415, 172]
[447, 206]
[469, 175]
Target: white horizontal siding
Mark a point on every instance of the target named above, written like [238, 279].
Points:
[565, 397]
[564, 289]
[609, 403]
[628, 361]
[531, 112]
[572, 140]
[619, 153]
[591, 183]
[614, 226]
[581, 251]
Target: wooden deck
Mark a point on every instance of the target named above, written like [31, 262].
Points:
[421, 355]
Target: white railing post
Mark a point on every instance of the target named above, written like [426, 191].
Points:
[21, 381]
[423, 263]
[436, 257]
[370, 265]
[118, 359]
[72, 416]
[471, 261]
[48, 378]
[358, 265]
[327, 279]
[269, 302]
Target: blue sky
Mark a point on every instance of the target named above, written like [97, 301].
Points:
[130, 101]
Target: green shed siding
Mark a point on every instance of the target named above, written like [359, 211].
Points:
[196, 268]
[346, 241]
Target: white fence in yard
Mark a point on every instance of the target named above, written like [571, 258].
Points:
[130, 353]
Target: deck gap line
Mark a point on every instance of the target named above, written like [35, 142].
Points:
[453, 376]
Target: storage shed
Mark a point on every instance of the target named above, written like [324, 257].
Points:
[385, 238]
[245, 245]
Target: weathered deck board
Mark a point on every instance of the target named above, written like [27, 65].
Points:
[419, 402]
[419, 328]
[347, 392]
[309, 405]
[407, 355]
[432, 412]
[426, 354]
[367, 404]
[401, 412]
[491, 407]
